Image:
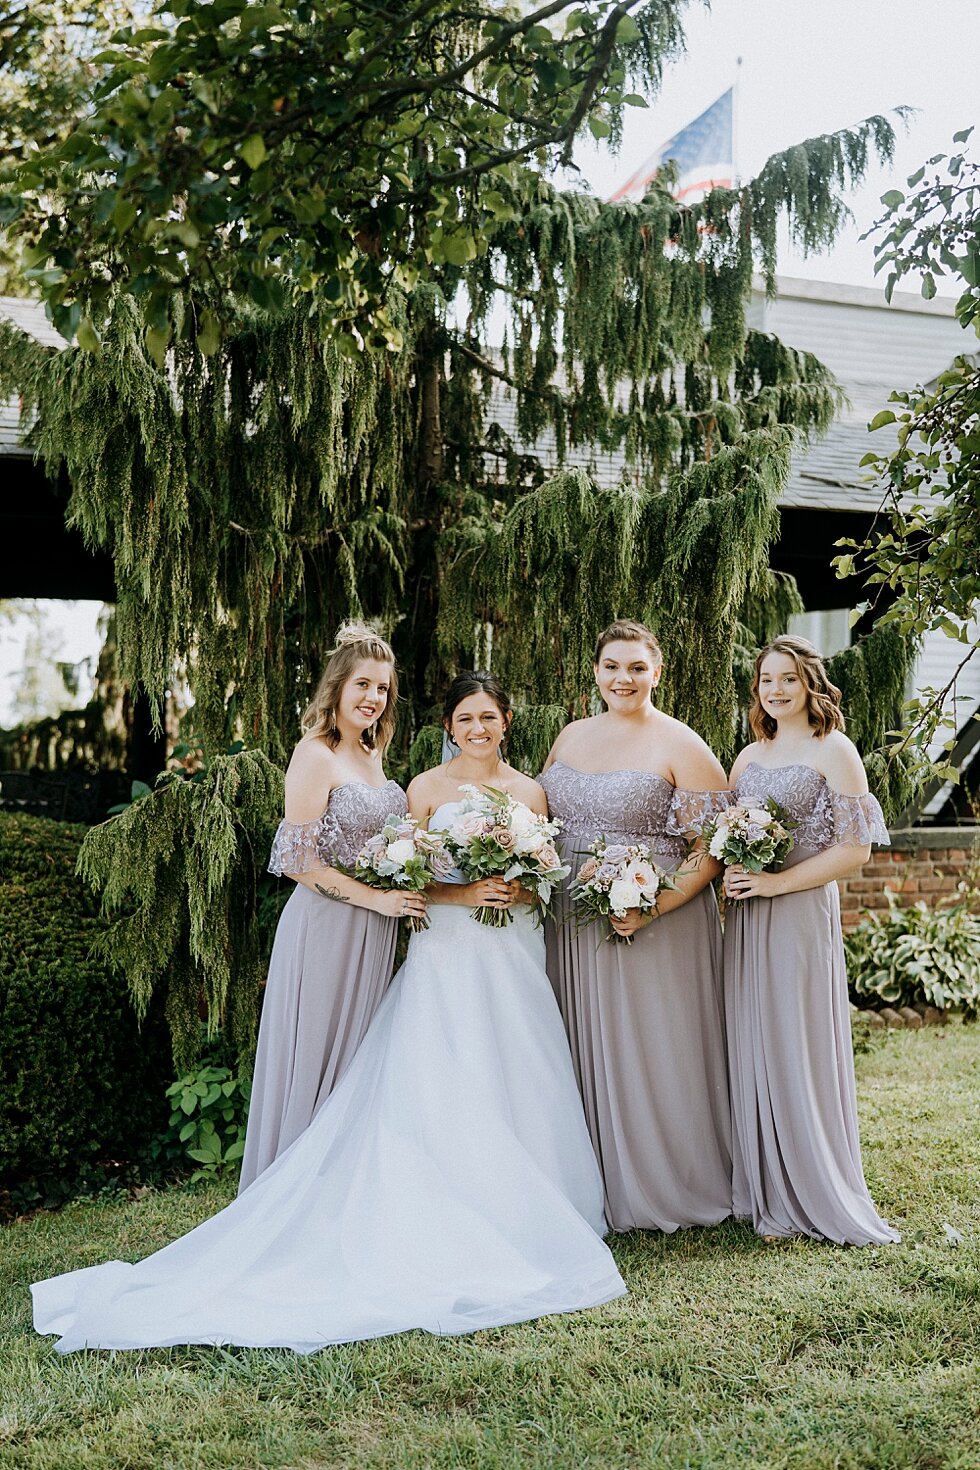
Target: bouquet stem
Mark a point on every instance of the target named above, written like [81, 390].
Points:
[496, 918]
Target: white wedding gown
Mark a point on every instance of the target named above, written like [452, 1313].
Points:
[448, 1182]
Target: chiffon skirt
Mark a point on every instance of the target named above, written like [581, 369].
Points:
[331, 965]
[447, 1183]
[797, 1152]
[646, 1028]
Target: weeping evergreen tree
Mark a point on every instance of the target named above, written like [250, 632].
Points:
[253, 496]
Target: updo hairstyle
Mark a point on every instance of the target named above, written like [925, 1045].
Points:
[823, 698]
[475, 681]
[625, 630]
[354, 643]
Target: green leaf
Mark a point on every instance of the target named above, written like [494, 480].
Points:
[157, 340]
[928, 285]
[599, 128]
[253, 150]
[633, 99]
[627, 31]
[88, 338]
[884, 416]
[893, 198]
[209, 333]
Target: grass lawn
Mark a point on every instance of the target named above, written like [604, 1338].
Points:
[726, 1353]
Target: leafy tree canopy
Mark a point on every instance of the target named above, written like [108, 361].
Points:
[922, 558]
[338, 146]
[48, 74]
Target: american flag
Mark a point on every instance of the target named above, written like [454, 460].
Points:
[702, 153]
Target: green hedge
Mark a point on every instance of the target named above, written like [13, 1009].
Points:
[82, 1087]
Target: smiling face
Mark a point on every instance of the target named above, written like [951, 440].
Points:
[364, 697]
[627, 674]
[783, 694]
[478, 725]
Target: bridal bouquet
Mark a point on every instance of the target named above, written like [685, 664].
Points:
[757, 837]
[402, 855]
[494, 833]
[618, 876]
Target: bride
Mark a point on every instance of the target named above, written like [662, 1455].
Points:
[448, 1182]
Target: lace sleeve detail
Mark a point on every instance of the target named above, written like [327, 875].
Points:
[689, 810]
[297, 848]
[857, 820]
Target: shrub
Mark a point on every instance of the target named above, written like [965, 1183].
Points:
[904, 955]
[81, 1084]
[208, 1119]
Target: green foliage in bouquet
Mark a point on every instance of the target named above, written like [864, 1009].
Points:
[81, 1083]
[906, 954]
[181, 873]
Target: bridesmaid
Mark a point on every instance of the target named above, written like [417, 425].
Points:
[334, 949]
[645, 1021]
[797, 1154]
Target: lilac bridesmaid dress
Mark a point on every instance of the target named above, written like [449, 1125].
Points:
[645, 1021]
[331, 965]
[796, 1147]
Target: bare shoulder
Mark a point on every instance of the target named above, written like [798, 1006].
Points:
[422, 795]
[311, 775]
[694, 765]
[744, 758]
[841, 763]
[527, 791]
[574, 736]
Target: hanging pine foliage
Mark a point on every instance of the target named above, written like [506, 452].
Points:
[180, 870]
[266, 484]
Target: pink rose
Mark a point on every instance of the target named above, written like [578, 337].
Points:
[503, 837]
[547, 858]
[587, 870]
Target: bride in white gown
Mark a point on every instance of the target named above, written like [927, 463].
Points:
[448, 1182]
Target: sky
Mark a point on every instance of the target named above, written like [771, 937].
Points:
[808, 67]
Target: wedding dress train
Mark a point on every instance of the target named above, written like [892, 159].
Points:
[448, 1182]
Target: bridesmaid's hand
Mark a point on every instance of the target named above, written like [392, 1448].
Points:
[489, 893]
[740, 884]
[396, 904]
[635, 919]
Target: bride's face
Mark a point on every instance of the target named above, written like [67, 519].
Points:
[478, 725]
[627, 674]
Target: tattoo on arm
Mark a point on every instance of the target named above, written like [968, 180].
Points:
[333, 893]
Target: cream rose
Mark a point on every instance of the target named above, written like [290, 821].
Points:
[401, 851]
[623, 895]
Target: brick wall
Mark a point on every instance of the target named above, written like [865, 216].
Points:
[922, 862]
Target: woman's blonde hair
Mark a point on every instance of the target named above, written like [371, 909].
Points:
[626, 630]
[355, 642]
[822, 698]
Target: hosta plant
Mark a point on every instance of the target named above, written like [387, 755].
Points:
[903, 955]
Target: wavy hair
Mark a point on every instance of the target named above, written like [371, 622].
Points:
[626, 630]
[822, 698]
[355, 642]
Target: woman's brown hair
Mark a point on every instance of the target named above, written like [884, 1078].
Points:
[822, 698]
[625, 630]
[355, 642]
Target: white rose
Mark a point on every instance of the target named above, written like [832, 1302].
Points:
[531, 841]
[623, 895]
[717, 845]
[757, 815]
[401, 852]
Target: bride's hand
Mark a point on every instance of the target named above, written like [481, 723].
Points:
[397, 904]
[520, 894]
[489, 893]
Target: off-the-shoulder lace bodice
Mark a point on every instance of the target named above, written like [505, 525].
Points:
[355, 811]
[626, 805]
[826, 817]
